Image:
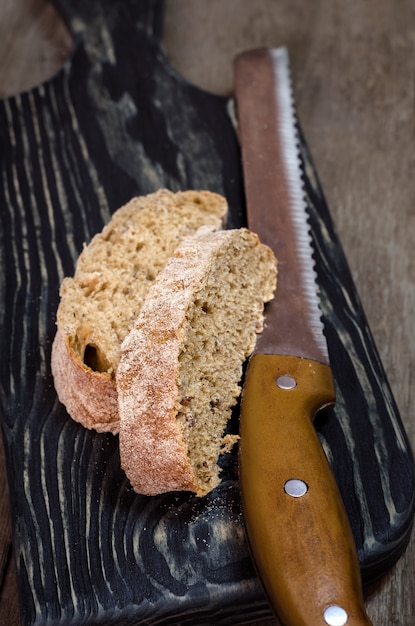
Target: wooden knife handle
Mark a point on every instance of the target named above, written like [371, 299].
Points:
[301, 542]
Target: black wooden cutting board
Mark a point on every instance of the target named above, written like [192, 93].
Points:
[115, 122]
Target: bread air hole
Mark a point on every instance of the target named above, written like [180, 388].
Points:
[95, 359]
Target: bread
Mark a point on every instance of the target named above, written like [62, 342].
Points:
[181, 364]
[99, 304]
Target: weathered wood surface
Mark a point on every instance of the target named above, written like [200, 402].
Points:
[353, 65]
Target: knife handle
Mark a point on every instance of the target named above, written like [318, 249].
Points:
[302, 543]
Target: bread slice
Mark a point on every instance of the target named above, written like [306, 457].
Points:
[181, 364]
[99, 304]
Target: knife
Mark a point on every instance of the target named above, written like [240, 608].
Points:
[297, 526]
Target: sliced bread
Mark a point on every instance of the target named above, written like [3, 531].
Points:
[181, 364]
[112, 277]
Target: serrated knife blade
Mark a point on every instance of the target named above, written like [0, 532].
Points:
[296, 522]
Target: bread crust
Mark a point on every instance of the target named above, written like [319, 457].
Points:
[90, 395]
[152, 450]
[85, 393]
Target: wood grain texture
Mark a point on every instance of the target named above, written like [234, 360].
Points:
[342, 105]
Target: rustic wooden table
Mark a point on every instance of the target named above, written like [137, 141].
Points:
[353, 68]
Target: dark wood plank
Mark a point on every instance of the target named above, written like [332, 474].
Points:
[34, 43]
[344, 103]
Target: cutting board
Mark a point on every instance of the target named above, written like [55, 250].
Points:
[117, 121]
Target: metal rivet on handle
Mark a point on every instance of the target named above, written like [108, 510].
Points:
[335, 615]
[286, 382]
[296, 488]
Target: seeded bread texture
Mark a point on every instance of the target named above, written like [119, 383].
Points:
[112, 277]
[181, 364]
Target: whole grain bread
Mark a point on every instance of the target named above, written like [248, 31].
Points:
[181, 363]
[112, 277]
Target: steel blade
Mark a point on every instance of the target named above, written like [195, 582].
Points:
[276, 203]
